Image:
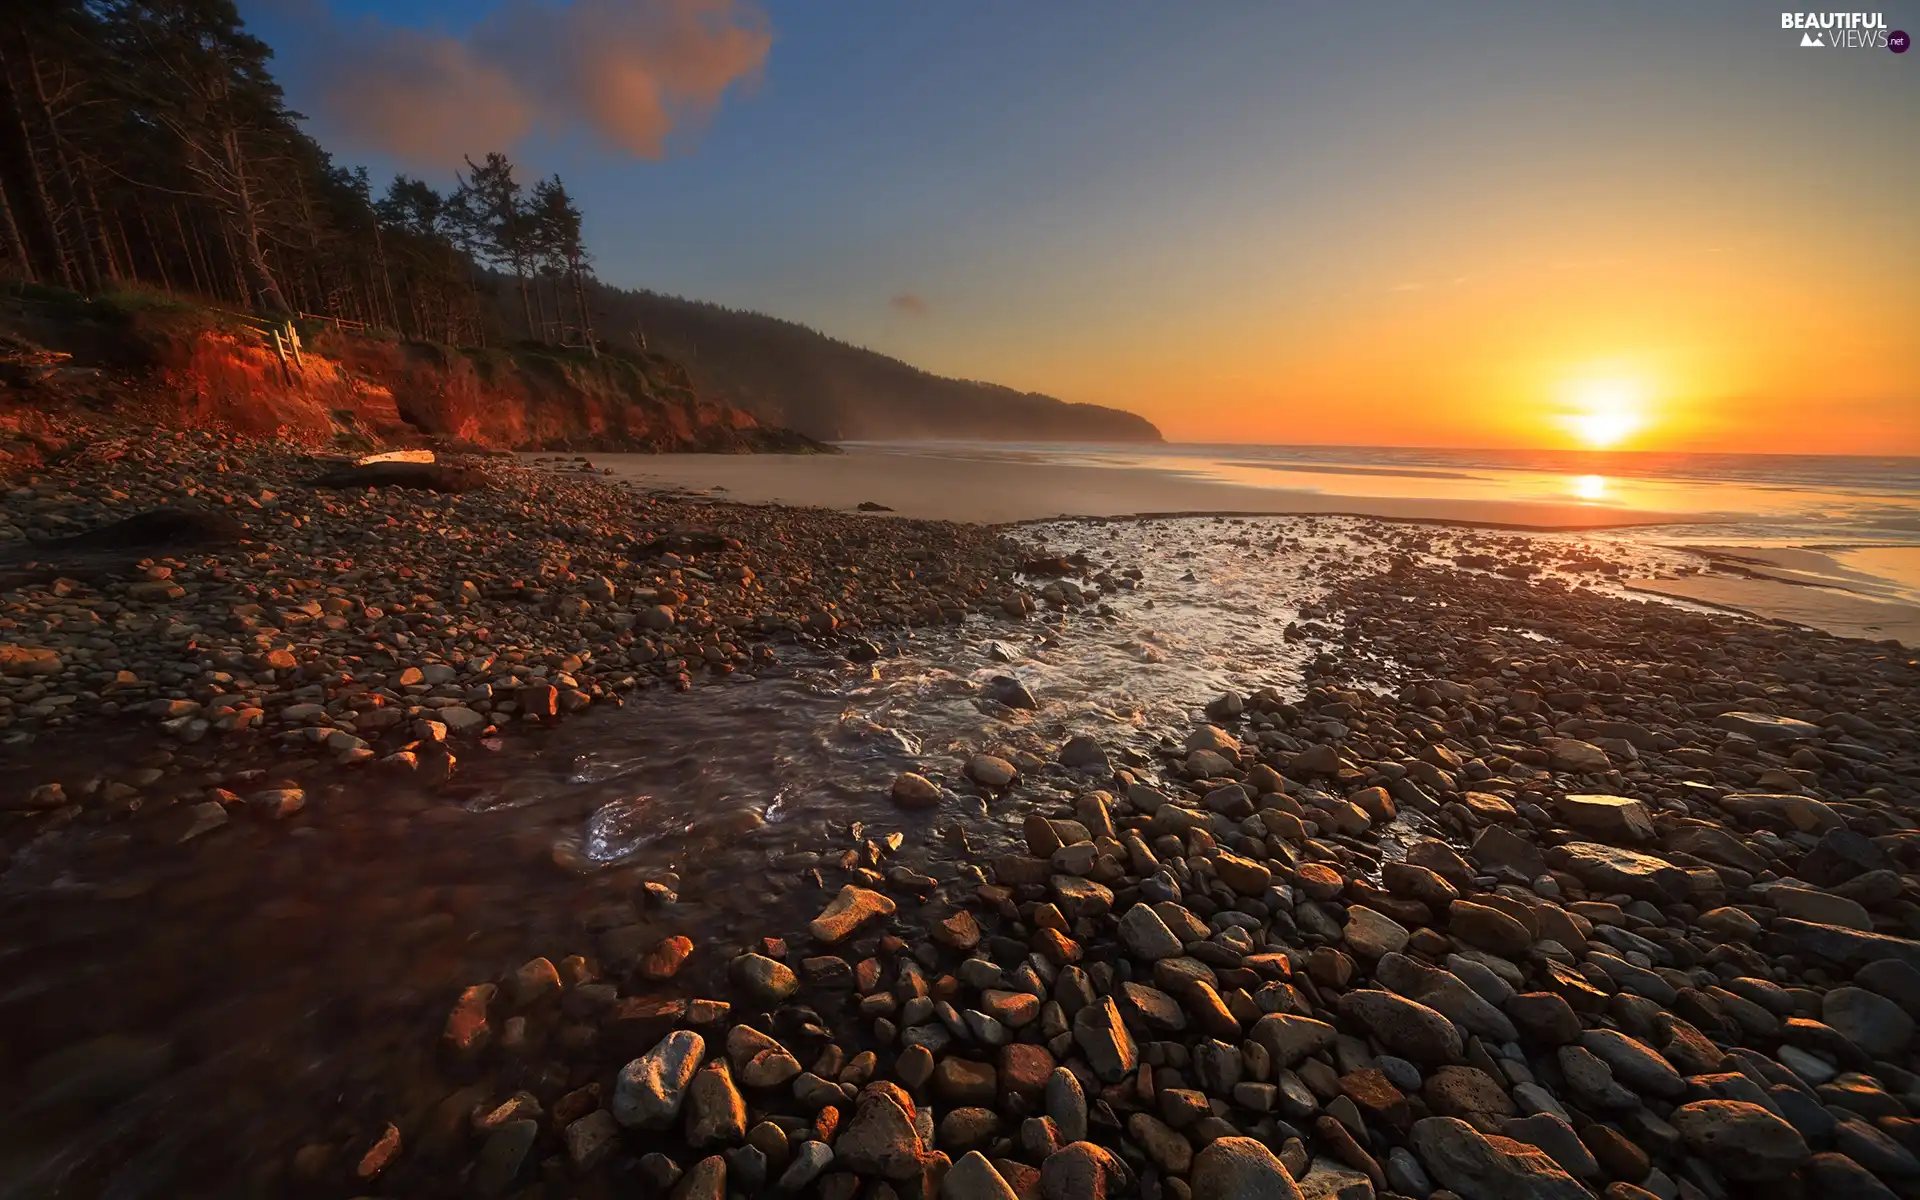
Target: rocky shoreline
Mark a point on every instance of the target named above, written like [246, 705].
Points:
[250, 593]
[1629, 917]
[1533, 891]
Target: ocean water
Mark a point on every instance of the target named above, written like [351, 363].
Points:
[1859, 514]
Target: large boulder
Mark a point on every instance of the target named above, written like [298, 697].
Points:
[1713, 844]
[1618, 817]
[1490, 1168]
[1743, 1141]
[1146, 936]
[1405, 1027]
[1240, 1168]
[882, 1139]
[1569, 754]
[1762, 727]
[159, 529]
[1288, 1039]
[1104, 1039]
[1082, 1171]
[973, 1178]
[1611, 869]
[1870, 1021]
[1445, 993]
[1846, 947]
[1498, 846]
[1803, 813]
[1844, 854]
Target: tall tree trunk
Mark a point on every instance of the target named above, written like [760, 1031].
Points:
[259, 276]
[95, 222]
[386, 273]
[586, 320]
[16, 245]
[526, 306]
[479, 317]
[155, 249]
[190, 249]
[126, 248]
[243, 289]
[413, 309]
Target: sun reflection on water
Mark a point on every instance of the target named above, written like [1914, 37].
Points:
[1590, 487]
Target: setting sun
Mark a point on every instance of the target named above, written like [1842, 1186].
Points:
[1605, 413]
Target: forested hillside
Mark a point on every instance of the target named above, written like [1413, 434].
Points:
[145, 143]
[787, 374]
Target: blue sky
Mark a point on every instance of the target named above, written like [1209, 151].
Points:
[1123, 201]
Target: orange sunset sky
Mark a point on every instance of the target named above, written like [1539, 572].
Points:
[1634, 224]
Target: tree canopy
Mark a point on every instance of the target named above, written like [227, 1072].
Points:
[146, 141]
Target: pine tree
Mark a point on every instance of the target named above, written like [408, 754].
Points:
[146, 141]
[204, 81]
[495, 220]
[556, 222]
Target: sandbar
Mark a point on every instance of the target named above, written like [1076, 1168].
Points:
[935, 485]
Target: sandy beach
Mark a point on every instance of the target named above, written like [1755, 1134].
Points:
[1807, 587]
[937, 483]
[1833, 609]
[968, 484]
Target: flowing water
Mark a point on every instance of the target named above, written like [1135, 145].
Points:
[177, 1019]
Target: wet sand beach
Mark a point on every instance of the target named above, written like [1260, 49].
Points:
[1872, 593]
[950, 485]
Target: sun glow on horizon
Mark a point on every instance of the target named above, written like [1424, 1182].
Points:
[1603, 413]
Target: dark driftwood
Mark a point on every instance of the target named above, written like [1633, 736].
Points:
[117, 547]
[160, 529]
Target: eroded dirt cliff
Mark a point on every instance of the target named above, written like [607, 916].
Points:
[176, 368]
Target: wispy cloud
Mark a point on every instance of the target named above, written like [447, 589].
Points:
[628, 73]
[910, 304]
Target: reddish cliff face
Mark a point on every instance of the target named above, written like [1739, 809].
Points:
[351, 390]
[528, 400]
[222, 379]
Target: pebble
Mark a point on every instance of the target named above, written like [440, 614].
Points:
[650, 1089]
[768, 980]
[1067, 1105]
[915, 791]
[972, 1177]
[1146, 936]
[1080, 1171]
[850, 909]
[882, 1139]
